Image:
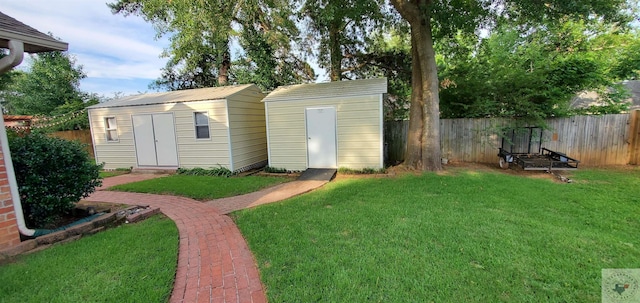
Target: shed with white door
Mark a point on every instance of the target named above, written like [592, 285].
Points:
[207, 127]
[326, 125]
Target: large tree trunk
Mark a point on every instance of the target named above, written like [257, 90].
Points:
[413, 155]
[335, 53]
[423, 142]
[224, 63]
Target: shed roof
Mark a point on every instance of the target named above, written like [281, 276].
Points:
[34, 41]
[328, 90]
[188, 95]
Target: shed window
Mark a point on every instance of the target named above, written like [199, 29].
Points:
[111, 129]
[202, 125]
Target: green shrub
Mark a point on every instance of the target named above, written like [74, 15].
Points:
[364, 171]
[52, 174]
[215, 171]
[275, 170]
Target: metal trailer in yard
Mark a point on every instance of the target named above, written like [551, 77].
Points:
[519, 151]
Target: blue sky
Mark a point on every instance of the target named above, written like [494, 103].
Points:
[118, 54]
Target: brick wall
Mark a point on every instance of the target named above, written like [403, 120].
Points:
[9, 235]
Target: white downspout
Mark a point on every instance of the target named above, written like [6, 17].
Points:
[16, 53]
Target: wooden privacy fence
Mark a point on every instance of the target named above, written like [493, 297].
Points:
[84, 136]
[634, 138]
[594, 140]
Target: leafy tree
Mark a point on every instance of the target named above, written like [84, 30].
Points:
[52, 175]
[49, 88]
[531, 75]
[389, 55]
[51, 83]
[264, 65]
[628, 65]
[340, 27]
[432, 19]
[201, 34]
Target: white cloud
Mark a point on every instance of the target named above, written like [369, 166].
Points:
[103, 67]
[107, 46]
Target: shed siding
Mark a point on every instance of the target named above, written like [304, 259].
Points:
[206, 153]
[248, 129]
[121, 154]
[191, 152]
[358, 131]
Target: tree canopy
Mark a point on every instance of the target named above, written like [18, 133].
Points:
[340, 29]
[52, 81]
[49, 87]
[202, 35]
[532, 75]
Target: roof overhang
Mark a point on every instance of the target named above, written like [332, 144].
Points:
[33, 40]
[32, 44]
[180, 96]
[337, 89]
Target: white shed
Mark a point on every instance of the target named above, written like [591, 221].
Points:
[207, 127]
[326, 125]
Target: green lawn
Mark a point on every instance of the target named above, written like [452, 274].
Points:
[130, 263]
[201, 187]
[466, 236]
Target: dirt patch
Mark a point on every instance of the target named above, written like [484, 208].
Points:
[290, 175]
[453, 168]
[556, 176]
[82, 210]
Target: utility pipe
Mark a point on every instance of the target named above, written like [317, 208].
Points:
[16, 53]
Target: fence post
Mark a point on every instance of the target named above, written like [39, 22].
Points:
[634, 138]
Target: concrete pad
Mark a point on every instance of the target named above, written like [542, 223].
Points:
[318, 174]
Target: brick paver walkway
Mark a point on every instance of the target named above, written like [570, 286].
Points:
[214, 261]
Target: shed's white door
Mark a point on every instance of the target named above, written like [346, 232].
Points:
[144, 140]
[321, 137]
[165, 134]
[155, 140]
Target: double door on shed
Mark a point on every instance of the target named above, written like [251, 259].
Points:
[155, 139]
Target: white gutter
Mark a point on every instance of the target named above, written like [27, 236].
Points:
[7, 63]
